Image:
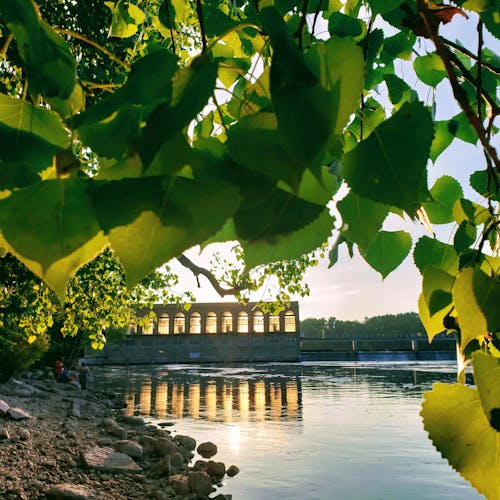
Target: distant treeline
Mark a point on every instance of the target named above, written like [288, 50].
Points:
[386, 326]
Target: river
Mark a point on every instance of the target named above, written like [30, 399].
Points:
[323, 430]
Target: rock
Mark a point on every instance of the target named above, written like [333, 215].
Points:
[164, 447]
[130, 448]
[166, 424]
[176, 459]
[200, 465]
[105, 459]
[187, 442]
[18, 388]
[216, 469]
[207, 449]
[117, 431]
[4, 433]
[232, 470]
[180, 484]
[66, 491]
[3, 407]
[162, 467]
[24, 434]
[18, 413]
[199, 482]
[131, 420]
[104, 441]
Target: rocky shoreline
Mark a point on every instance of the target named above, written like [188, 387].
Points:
[58, 441]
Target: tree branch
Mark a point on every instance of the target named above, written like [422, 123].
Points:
[463, 50]
[167, 8]
[458, 91]
[302, 23]
[83, 38]
[197, 271]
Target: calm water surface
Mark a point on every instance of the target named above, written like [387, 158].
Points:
[306, 430]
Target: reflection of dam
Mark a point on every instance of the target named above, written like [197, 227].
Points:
[216, 399]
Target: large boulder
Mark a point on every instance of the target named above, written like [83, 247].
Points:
[199, 482]
[130, 448]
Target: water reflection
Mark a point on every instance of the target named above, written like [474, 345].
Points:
[214, 399]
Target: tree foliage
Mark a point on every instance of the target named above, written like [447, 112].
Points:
[149, 127]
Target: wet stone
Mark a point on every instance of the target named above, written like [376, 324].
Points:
[107, 460]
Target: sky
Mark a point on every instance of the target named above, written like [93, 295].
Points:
[351, 290]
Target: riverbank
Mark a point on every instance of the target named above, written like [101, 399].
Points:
[58, 441]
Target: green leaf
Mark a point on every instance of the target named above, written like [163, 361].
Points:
[429, 251]
[465, 236]
[192, 87]
[49, 63]
[430, 69]
[487, 379]
[399, 90]
[390, 165]
[313, 95]
[466, 210]
[291, 245]
[381, 6]
[125, 20]
[460, 127]
[254, 143]
[484, 183]
[361, 219]
[70, 237]
[398, 46]
[435, 302]
[342, 25]
[442, 139]
[29, 134]
[16, 175]
[167, 216]
[445, 192]
[457, 425]
[387, 251]
[476, 297]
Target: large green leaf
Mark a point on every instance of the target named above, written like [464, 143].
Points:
[29, 134]
[487, 379]
[151, 220]
[361, 219]
[192, 87]
[387, 251]
[458, 427]
[49, 63]
[254, 143]
[429, 251]
[291, 245]
[59, 234]
[435, 303]
[476, 297]
[313, 96]
[16, 175]
[445, 192]
[390, 165]
[442, 138]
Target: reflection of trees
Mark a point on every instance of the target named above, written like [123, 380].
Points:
[216, 398]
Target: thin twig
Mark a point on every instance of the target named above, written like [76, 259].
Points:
[479, 69]
[220, 114]
[463, 50]
[167, 7]
[231, 30]
[5, 46]
[302, 23]
[83, 38]
[316, 15]
[366, 42]
[458, 91]
[199, 13]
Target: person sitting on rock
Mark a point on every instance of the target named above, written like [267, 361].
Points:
[60, 372]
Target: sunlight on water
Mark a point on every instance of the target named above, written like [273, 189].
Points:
[306, 430]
